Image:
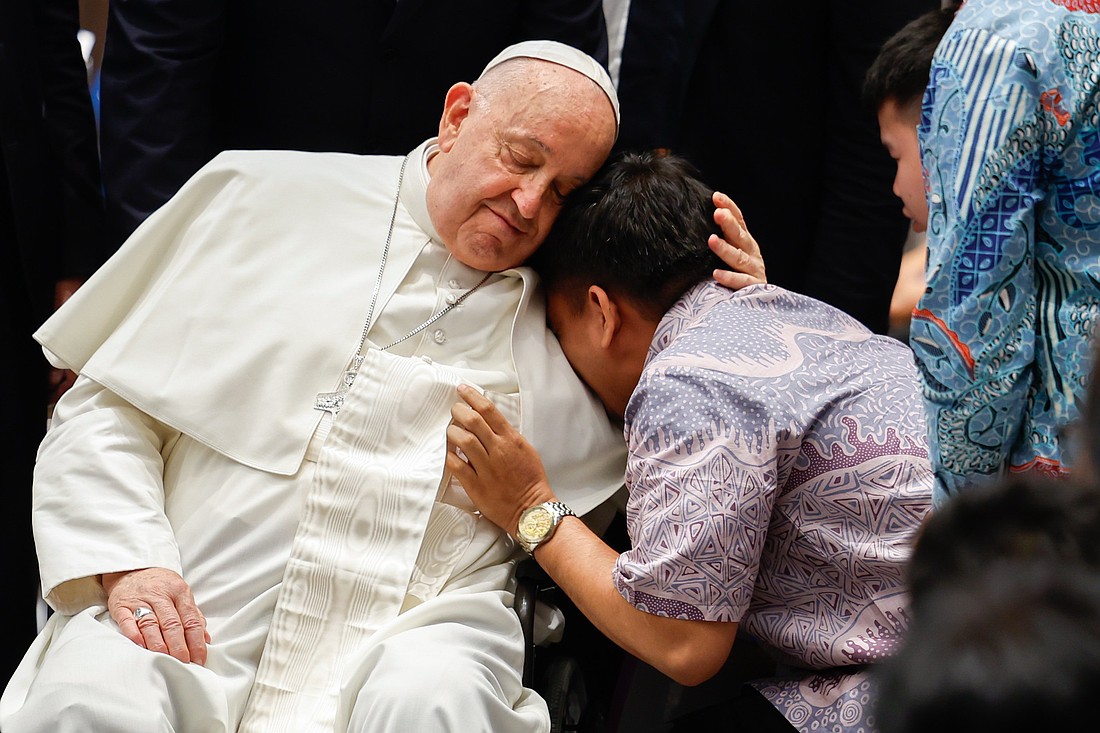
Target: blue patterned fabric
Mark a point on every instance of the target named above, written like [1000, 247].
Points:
[1011, 152]
[777, 469]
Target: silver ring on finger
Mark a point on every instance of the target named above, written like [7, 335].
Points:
[140, 613]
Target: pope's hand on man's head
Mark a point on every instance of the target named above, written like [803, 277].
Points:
[736, 247]
[155, 609]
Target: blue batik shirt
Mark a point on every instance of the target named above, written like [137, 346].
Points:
[1011, 155]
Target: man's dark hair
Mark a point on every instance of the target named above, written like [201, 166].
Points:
[1005, 587]
[1021, 518]
[900, 71]
[638, 229]
[1014, 650]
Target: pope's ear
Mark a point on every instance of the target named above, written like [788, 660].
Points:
[456, 108]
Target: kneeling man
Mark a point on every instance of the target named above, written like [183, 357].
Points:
[777, 467]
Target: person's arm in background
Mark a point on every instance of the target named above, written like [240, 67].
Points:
[908, 289]
[973, 332]
[156, 97]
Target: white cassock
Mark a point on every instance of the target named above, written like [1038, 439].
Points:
[346, 581]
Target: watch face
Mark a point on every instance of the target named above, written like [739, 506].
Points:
[536, 523]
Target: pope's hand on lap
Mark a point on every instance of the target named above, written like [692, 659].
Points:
[155, 609]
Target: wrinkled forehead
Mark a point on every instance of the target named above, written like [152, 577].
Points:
[551, 111]
[536, 55]
[545, 91]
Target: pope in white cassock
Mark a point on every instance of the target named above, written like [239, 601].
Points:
[241, 510]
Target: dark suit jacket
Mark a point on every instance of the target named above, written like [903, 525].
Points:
[51, 207]
[51, 226]
[185, 79]
[765, 99]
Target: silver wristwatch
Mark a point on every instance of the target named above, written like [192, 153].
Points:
[537, 524]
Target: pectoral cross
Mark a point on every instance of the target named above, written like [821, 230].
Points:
[333, 401]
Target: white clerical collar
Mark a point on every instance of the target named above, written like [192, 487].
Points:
[414, 189]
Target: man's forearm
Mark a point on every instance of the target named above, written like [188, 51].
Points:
[503, 476]
[581, 564]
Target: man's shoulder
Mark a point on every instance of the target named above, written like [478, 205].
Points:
[711, 312]
[766, 335]
[991, 27]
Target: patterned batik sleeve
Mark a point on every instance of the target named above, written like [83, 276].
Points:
[973, 331]
[702, 473]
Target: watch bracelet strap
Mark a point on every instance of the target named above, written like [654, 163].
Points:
[560, 508]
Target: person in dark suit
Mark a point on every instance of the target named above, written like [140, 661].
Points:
[51, 232]
[185, 79]
[764, 98]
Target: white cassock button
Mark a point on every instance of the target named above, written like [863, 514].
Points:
[452, 284]
[451, 298]
[439, 336]
[936, 198]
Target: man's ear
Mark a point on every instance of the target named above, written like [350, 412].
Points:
[607, 318]
[456, 108]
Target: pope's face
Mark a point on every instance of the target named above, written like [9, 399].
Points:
[505, 166]
[898, 131]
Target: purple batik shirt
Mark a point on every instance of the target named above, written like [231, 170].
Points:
[778, 468]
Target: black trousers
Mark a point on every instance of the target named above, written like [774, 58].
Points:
[749, 712]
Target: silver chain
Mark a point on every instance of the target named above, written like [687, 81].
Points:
[333, 401]
[357, 360]
[440, 314]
